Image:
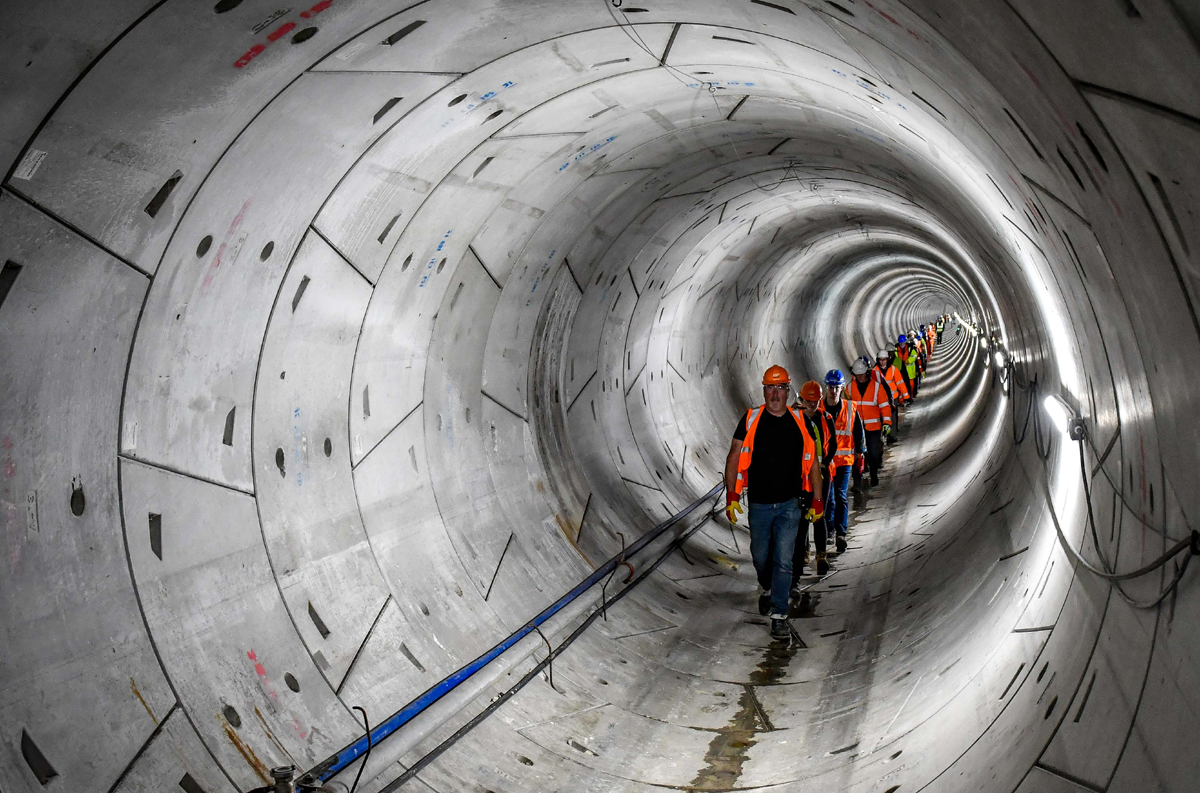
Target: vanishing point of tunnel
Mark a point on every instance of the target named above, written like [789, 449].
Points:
[368, 371]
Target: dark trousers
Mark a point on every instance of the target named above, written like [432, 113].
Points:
[874, 453]
[801, 538]
[773, 529]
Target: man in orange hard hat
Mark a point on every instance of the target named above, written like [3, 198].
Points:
[820, 426]
[773, 454]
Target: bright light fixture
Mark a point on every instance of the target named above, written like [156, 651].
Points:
[999, 359]
[1059, 413]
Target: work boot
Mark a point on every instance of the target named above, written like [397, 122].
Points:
[779, 628]
[822, 564]
[874, 478]
[841, 543]
[764, 603]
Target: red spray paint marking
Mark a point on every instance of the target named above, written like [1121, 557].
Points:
[250, 55]
[212, 269]
[265, 682]
[279, 33]
[318, 8]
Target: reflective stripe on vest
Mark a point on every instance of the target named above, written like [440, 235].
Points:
[871, 404]
[843, 427]
[752, 418]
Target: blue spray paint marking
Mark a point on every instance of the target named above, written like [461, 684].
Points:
[718, 82]
[542, 274]
[434, 259]
[595, 147]
[472, 106]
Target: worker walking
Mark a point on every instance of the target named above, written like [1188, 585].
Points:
[897, 390]
[850, 441]
[907, 354]
[873, 405]
[820, 426]
[773, 454]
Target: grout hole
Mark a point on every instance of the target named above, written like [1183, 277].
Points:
[291, 682]
[456, 100]
[37, 762]
[1050, 709]
[524, 760]
[328, 447]
[279, 462]
[266, 252]
[231, 715]
[204, 245]
[304, 35]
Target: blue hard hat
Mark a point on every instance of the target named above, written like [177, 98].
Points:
[835, 377]
[902, 340]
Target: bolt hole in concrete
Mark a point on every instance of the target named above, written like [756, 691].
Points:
[328, 447]
[279, 462]
[304, 35]
[456, 100]
[291, 682]
[407, 262]
[204, 245]
[226, 5]
[266, 251]
[78, 502]
[232, 716]
[524, 760]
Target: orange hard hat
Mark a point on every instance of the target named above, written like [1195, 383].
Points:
[776, 375]
[810, 391]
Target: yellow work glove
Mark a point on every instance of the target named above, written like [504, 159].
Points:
[733, 508]
[816, 511]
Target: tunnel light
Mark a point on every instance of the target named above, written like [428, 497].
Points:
[1060, 415]
[983, 342]
[999, 359]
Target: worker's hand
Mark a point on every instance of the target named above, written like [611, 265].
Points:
[816, 511]
[887, 430]
[733, 507]
[860, 464]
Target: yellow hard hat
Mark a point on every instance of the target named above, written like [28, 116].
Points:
[776, 375]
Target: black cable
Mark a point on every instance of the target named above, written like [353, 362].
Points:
[366, 756]
[495, 704]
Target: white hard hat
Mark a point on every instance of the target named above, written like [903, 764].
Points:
[882, 354]
[859, 367]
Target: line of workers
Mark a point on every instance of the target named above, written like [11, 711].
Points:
[794, 464]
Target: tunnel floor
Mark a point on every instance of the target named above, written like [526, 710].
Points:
[701, 697]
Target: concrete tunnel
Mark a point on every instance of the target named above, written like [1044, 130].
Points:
[339, 340]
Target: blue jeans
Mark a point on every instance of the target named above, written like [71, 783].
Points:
[773, 529]
[837, 510]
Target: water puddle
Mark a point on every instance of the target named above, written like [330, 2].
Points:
[731, 744]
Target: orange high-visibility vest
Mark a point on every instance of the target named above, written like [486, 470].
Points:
[752, 418]
[872, 404]
[895, 383]
[843, 428]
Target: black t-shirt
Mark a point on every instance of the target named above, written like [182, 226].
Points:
[777, 463]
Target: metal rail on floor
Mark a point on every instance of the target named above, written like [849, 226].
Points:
[454, 683]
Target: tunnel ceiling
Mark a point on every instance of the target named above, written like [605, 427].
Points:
[340, 339]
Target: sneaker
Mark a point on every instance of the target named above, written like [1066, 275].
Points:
[822, 564]
[841, 543]
[779, 628]
[764, 603]
[874, 479]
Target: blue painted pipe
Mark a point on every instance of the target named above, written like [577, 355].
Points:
[332, 765]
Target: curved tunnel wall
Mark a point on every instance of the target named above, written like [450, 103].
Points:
[341, 340]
